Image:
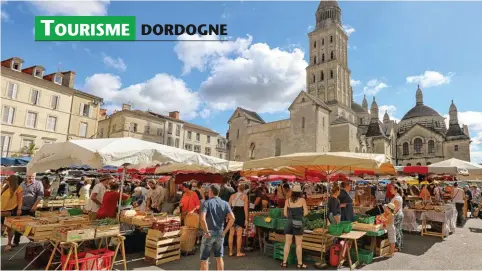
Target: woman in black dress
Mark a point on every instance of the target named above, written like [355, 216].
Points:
[240, 204]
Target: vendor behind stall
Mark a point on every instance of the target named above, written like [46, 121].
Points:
[12, 196]
[109, 202]
[189, 202]
[334, 210]
[155, 196]
[346, 202]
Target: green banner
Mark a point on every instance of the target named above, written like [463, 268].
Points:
[85, 28]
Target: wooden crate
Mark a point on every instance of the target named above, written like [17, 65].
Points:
[162, 261]
[317, 241]
[47, 214]
[162, 247]
[74, 235]
[71, 202]
[73, 220]
[107, 230]
[383, 251]
[382, 243]
[276, 237]
[366, 227]
[10, 221]
[139, 221]
[42, 232]
[53, 203]
[155, 234]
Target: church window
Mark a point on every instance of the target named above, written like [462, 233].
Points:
[437, 124]
[323, 58]
[314, 79]
[251, 150]
[331, 39]
[456, 148]
[237, 136]
[323, 122]
[322, 75]
[417, 145]
[405, 148]
[428, 163]
[431, 146]
[277, 147]
[332, 56]
[419, 164]
[331, 73]
[303, 100]
[361, 120]
[314, 60]
[408, 164]
[322, 41]
[239, 114]
[314, 44]
[303, 123]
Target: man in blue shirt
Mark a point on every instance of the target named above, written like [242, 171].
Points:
[213, 214]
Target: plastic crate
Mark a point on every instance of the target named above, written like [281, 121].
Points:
[260, 222]
[335, 229]
[268, 249]
[275, 212]
[366, 219]
[100, 259]
[167, 226]
[366, 256]
[281, 223]
[75, 211]
[346, 225]
[278, 253]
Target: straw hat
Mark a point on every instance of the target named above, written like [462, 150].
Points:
[390, 206]
[296, 188]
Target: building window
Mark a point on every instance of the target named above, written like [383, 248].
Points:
[198, 137]
[456, 148]
[331, 73]
[322, 75]
[159, 131]
[417, 145]
[277, 147]
[314, 60]
[207, 151]
[83, 129]
[147, 129]
[12, 91]
[27, 145]
[176, 143]
[332, 56]
[314, 44]
[303, 123]
[419, 164]
[85, 110]
[58, 79]
[16, 66]
[34, 96]
[38, 73]
[237, 136]
[209, 139]
[189, 135]
[114, 128]
[169, 141]
[54, 102]
[322, 58]
[314, 79]
[8, 114]
[5, 145]
[51, 123]
[31, 119]
[405, 148]
[322, 41]
[323, 122]
[221, 156]
[101, 132]
[133, 127]
[431, 146]
[251, 150]
[188, 147]
[429, 163]
[197, 148]
[169, 128]
[331, 39]
[178, 130]
[408, 164]
[361, 121]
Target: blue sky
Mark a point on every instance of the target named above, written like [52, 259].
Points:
[393, 47]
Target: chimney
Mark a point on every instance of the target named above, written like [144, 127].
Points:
[126, 107]
[69, 79]
[174, 114]
[102, 114]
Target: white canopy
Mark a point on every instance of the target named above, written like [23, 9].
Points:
[461, 165]
[97, 153]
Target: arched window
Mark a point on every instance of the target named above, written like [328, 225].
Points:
[405, 148]
[431, 146]
[322, 76]
[331, 39]
[332, 55]
[303, 123]
[277, 147]
[456, 148]
[408, 164]
[419, 164]
[314, 60]
[428, 163]
[331, 73]
[323, 41]
[314, 78]
[417, 145]
[323, 58]
[314, 44]
[237, 136]
[251, 150]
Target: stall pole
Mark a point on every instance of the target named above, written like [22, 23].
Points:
[119, 205]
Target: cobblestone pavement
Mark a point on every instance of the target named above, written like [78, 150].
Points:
[461, 250]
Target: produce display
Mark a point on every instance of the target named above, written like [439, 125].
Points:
[106, 221]
[313, 224]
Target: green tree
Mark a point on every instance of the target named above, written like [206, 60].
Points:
[30, 150]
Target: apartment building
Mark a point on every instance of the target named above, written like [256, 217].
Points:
[168, 130]
[40, 108]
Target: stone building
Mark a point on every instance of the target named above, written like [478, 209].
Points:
[38, 109]
[326, 118]
[168, 130]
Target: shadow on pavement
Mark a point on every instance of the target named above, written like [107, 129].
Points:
[475, 230]
[416, 246]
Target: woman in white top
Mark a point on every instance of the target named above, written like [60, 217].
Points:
[398, 215]
[84, 192]
[240, 205]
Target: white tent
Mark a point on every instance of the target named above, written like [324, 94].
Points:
[473, 169]
[97, 153]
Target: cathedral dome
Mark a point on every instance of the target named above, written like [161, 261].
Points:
[358, 108]
[420, 110]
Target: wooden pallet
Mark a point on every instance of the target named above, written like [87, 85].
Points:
[319, 242]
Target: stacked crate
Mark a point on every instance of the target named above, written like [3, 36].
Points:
[319, 242]
[278, 253]
[162, 247]
[383, 248]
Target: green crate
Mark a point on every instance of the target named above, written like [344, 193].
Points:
[335, 229]
[275, 213]
[75, 211]
[366, 256]
[260, 222]
[281, 223]
[314, 216]
[279, 253]
[366, 219]
[346, 225]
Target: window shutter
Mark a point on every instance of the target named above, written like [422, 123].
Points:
[32, 96]
[81, 112]
[90, 111]
[11, 115]
[5, 113]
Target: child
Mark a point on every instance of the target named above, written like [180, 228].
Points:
[390, 226]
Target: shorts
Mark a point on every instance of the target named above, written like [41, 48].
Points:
[290, 229]
[215, 244]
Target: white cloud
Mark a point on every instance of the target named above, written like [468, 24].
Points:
[390, 109]
[258, 78]
[473, 119]
[197, 55]
[310, 28]
[430, 79]
[114, 63]
[476, 157]
[477, 139]
[348, 29]
[73, 8]
[354, 83]
[162, 93]
[205, 113]
[373, 87]
[4, 16]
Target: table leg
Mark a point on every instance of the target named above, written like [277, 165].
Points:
[342, 255]
[64, 267]
[123, 251]
[56, 244]
[357, 256]
[76, 257]
[115, 255]
[373, 244]
[350, 263]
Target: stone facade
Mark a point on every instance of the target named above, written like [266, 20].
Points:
[326, 118]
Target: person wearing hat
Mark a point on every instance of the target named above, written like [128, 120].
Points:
[295, 209]
[458, 197]
[389, 210]
[397, 201]
[97, 195]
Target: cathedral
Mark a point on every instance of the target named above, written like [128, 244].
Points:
[325, 117]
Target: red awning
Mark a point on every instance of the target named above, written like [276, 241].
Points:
[164, 179]
[272, 178]
[416, 169]
[200, 177]
[363, 172]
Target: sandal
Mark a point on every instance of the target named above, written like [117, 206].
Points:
[301, 266]
[7, 248]
[240, 255]
[284, 265]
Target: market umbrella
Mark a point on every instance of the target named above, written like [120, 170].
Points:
[461, 167]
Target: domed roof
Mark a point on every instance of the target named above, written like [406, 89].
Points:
[327, 4]
[420, 110]
[358, 108]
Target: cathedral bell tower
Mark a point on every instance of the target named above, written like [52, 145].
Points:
[328, 76]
